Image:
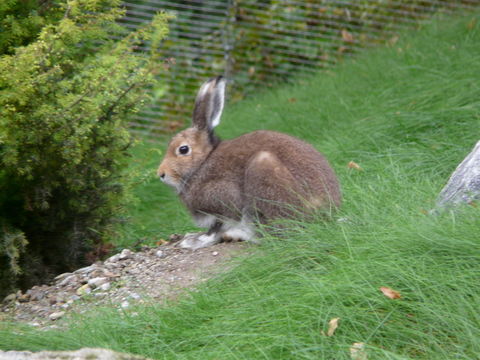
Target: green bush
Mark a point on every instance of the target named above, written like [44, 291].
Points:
[65, 101]
[22, 20]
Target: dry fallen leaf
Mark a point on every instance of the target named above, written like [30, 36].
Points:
[161, 242]
[332, 326]
[390, 293]
[357, 351]
[354, 165]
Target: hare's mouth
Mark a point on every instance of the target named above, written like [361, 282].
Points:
[170, 181]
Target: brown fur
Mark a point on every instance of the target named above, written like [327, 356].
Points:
[263, 174]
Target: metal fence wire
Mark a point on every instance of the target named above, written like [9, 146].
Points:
[260, 42]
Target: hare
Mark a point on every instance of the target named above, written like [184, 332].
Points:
[259, 176]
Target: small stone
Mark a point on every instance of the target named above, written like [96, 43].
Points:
[24, 297]
[67, 280]
[53, 300]
[113, 258]
[62, 276]
[74, 298]
[125, 254]
[105, 287]
[83, 290]
[125, 304]
[56, 315]
[160, 254]
[86, 269]
[215, 253]
[135, 296]
[175, 237]
[10, 298]
[110, 274]
[96, 282]
[37, 295]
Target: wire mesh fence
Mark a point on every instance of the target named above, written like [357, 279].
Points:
[260, 42]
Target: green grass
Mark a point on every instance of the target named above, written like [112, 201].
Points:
[407, 115]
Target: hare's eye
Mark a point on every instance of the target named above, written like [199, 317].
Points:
[184, 150]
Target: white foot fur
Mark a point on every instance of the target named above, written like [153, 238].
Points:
[196, 241]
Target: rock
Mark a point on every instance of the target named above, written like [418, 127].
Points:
[125, 254]
[37, 294]
[135, 296]
[464, 184]
[105, 287]
[56, 315]
[160, 254]
[62, 276]
[67, 280]
[175, 237]
[125, 304]
[215, 253]
[74, 298]
[83, 290]
[86, 269]
[110, 274]
[96, 282]
[10, 298]
[113, 258]
[82, 354]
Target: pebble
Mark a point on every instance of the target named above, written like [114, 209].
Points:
[66, 280]
[56, 315]
[105, 287]
[37, 295]
[215, 253]
[10, 298]
[125, 254]
[84, 289]
[125, 304]
[113, 258]
[86, 269]
[62, 276]
[96, 282]
[135, 296]
[160, 254]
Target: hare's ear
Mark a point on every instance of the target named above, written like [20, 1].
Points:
[209, 104]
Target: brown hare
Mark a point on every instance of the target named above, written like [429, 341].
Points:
[259, 176]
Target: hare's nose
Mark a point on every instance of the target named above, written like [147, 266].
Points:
[162, 176]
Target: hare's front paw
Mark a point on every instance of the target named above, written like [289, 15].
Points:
[196, 241]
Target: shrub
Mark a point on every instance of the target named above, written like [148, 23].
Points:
[22, 20]
[65, 101]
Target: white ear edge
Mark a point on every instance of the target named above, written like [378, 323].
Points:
[218, 101]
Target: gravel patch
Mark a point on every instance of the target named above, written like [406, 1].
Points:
[127, 278]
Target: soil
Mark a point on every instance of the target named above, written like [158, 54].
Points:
[127, 278]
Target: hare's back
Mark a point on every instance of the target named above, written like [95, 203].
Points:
[308, 166]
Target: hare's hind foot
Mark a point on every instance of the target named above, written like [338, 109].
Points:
[196, 241]
[228, 232]
[241, 231]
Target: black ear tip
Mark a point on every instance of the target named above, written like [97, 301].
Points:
[218, 79]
